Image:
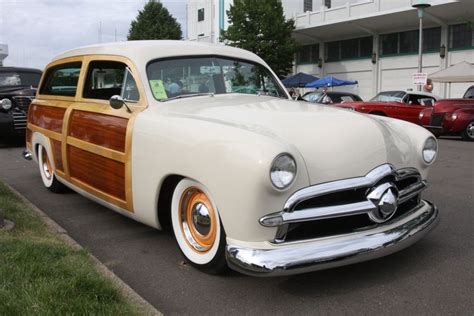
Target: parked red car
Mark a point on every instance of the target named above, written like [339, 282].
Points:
[451, 116]
[403, 105]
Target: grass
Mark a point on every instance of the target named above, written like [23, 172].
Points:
[40, 274]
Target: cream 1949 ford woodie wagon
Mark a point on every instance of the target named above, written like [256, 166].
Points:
[205, 140]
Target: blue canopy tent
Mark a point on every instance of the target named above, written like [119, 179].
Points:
[329, 81]
[299, 80]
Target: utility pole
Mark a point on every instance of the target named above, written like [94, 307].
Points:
[100, 31]
[420, 6]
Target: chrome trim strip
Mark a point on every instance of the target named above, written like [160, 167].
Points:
[329, 252]
[336, 186]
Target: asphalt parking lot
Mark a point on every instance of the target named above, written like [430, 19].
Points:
[434, 276]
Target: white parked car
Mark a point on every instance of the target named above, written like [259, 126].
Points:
[204, 139]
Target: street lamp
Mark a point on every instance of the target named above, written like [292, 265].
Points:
[420, 6]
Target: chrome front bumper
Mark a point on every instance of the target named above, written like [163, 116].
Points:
[328, 252]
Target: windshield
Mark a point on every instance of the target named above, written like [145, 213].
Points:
[19, 78]
[313, 97]
[173, 78]
[389, 96]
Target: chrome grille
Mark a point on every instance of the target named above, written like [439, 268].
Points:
[23, 102]
[19, 119]
[437, 119]
[346, 202]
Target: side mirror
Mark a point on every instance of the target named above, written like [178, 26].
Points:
[116, 102]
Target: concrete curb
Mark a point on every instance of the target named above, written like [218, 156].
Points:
[144, 307]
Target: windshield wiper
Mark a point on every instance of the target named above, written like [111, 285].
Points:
[182, 96]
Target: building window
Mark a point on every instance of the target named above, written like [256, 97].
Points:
[327, 4]
[308, 54]
[349, 49]
[307, 5]
[461, 36]
[201, 15]
[407, 42]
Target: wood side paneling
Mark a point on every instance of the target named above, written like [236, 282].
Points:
[58, 159]
[102, 173]
[47, 117]
[99, 129]
[28, 136]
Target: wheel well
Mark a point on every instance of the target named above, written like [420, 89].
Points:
[378, 113]
[164, 200]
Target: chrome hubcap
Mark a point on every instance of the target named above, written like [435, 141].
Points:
[470, 130]
[201, 218]
[198, 222]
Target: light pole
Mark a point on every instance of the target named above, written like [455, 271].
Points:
[420, 6]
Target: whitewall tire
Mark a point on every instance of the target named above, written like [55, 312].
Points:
[47, 171]
[197, 227]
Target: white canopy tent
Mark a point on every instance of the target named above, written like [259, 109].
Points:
[461, 72]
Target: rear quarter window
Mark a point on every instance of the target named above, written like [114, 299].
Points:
[61, 80]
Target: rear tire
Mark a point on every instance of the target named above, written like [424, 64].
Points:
[468, 132]
[197, 227]
[47, 172]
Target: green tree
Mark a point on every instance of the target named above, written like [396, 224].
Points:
[260, 27]
[154, 22]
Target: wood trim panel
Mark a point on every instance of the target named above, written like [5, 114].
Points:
[28, 138]
[45, 132]
[103, 174]
[103, 130]
[58, 159]
[47, 117]
[95, 149]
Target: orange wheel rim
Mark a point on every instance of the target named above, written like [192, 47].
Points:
[46, 165]
[197, 220]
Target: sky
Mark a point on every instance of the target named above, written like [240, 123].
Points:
[38, 30]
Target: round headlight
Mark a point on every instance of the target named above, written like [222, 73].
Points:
[454, 116]
[283, 171]
[420, 116]
[429, 150]
[6, 104]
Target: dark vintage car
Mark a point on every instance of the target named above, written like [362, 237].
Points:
[330, 97]
[17, 89]
[403, 105]
[451, 116]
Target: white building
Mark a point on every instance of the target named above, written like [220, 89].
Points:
[206, 18]
[372, 41]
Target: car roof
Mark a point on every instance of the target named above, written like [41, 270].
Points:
[428, 94]
[141, 52]
[5, 69]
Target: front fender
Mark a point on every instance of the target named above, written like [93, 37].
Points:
[231, 162]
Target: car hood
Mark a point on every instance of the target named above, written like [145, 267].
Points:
[451, 105]
[334, 143]
[17, 90]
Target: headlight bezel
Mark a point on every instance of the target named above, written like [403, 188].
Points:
[274, 164]
[428, 145]
[6, 104]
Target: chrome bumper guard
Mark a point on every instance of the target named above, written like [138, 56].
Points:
[335, 251]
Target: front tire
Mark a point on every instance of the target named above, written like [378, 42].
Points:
[197, 227]
[468, 132]
[47, 172]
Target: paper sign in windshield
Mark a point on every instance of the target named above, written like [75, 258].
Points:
[158, 89]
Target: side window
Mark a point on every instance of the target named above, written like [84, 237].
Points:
[61, 80]
[107, 78]
[469, 93]
[129, 90]
[427, 101]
